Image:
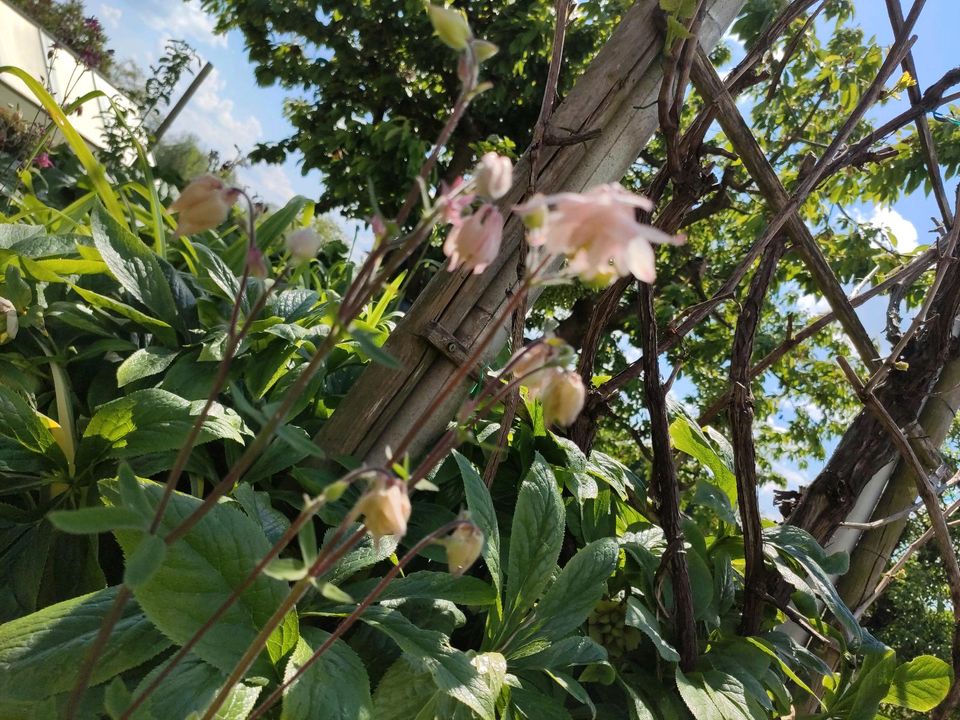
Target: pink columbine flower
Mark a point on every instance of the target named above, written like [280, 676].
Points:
[563, 398]
[452, 202]
[475, 242]
[385, 508]
[203, 204]
[493, 176]
[43, 161]
[598, 233]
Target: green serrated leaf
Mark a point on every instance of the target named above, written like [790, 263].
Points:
[41, 653]
[144, 363]
[920, 684]
[143, 562]
[535, 538]
[337, 682]
[201, 571]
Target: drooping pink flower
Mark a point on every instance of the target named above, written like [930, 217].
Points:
[475, 242]
[598, 232]
[43, 161]
[452, 202]
[304, 244]
[563, 398]
[464, 546]
[493, 175]
[203, 204]
[386, 509]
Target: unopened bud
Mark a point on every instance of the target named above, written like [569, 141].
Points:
[386, 508]
[203, 204]
[483, 50]
[257, 263]
[304, 244]
[563, 398]
[493, 175]
[464, 546]
[450, 25]
[8, 331]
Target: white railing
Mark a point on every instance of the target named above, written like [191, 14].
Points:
[27, 46]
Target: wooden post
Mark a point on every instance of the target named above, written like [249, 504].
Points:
[617, 97]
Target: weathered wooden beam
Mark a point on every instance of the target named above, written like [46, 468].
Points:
[617, 96]
[710, 85]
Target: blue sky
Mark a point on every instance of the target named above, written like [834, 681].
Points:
[230, 109]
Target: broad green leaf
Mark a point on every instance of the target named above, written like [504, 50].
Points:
[564, 653]
[920, 684]
[336, 685]
[200, 572]
[480, 505]
[41, 653]
[428, 584]
[190, 688]
[717, 696]
[134, 266]
[869, 688]
[577, 589]
[640, 617]
[89, 520]
[154, 420]
[451, 670]
[284, 639]
[687, 437]
[143, 562]
[21, 423]
[534, 705]
[144, 363]
[368, 345]
[405, 691]
[535, 538]
[162, 330]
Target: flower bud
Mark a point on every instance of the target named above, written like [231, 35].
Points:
[257, 263]
[483, 50]
[563, 398]
[386, 508]
[475, 242]
[493, 175]
[203, 204]
[464, 546]
[304, 244]
[530, 365]
[450, 25]
[8, 331]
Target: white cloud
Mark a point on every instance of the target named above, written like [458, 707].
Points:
[186, 20]
[110, 15]
[270, 182]
[902, 231]
[212, 117]
[813, 304]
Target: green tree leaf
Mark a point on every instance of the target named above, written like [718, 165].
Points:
[337, 682]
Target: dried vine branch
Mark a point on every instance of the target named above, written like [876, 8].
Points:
[665, 485]
[741, 426]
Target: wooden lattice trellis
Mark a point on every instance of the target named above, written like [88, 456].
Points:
[887, 457]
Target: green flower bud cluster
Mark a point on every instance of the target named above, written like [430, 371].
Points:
[606, 626]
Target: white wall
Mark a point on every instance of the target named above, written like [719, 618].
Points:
[23, 44]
